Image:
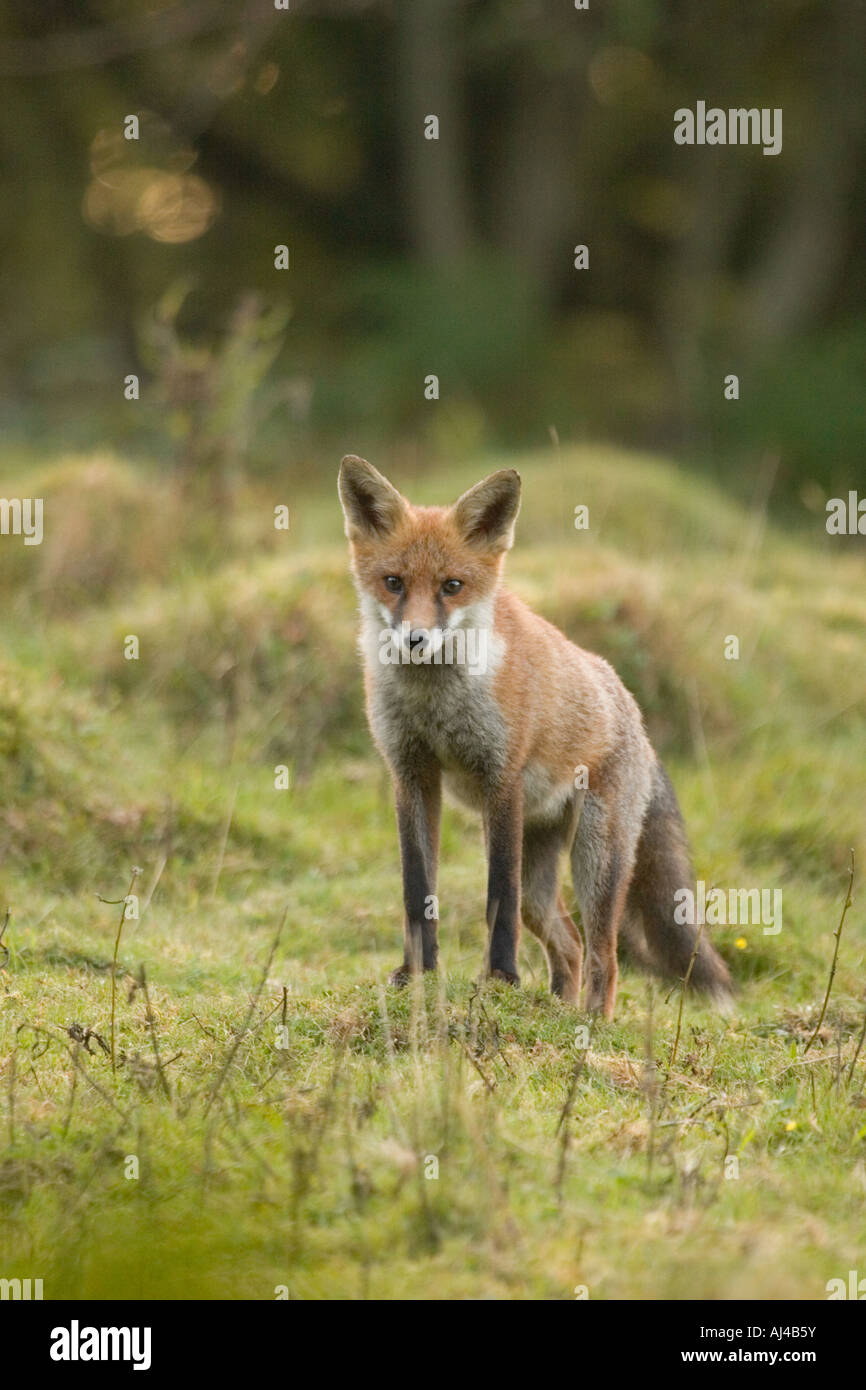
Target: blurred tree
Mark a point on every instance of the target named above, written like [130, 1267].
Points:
[211, 393]
[430, 66]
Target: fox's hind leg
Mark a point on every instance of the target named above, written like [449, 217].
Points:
[544, 911]
[602, 863]
[503, 826]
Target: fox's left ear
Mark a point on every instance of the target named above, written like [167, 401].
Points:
[487, 512]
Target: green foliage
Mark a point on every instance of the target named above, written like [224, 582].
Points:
[805, 404]
[474, 325]
[211, 393]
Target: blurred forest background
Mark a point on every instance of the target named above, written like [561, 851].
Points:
[261, 127]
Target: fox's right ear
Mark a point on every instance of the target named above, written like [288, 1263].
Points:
[371, 506]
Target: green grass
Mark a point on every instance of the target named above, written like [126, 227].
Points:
[305, 1158]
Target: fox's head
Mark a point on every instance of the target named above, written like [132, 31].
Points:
[427, 570]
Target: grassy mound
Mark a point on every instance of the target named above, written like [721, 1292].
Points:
[286, 1137]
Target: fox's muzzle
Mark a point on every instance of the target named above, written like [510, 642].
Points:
[421, 643]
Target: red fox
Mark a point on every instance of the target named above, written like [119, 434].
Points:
[466, 685]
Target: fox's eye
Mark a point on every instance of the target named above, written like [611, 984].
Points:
[452, 586]
[394, 583]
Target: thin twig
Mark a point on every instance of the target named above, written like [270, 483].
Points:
[688, 976]
[71, 1106]
[565, 1114]
[476, 1064]
[857, 1052]
[13, 1073]
[4, 950]
[576, 1073]
[135, 873]
[837, 934]
[72, 1053]
[230, 1055]
[222, 853]
[649, 1081]
[151, 1024]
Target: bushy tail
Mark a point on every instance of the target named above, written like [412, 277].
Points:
[663, 866]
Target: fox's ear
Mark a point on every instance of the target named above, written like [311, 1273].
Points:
[487, 512]
[371, 506]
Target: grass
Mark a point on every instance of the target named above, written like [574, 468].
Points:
[280, 1120]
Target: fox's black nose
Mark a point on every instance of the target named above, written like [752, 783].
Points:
[417, 638]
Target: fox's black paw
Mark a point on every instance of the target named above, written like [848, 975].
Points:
[506, 975]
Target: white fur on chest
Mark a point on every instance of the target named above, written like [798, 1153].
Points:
[450, 709]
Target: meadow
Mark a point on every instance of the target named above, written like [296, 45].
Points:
[265, 1117]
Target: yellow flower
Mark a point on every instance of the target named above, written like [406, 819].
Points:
[792, 1124]
[741, 943]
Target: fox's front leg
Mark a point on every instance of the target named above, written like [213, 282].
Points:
[419, 804]
[503, 824]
